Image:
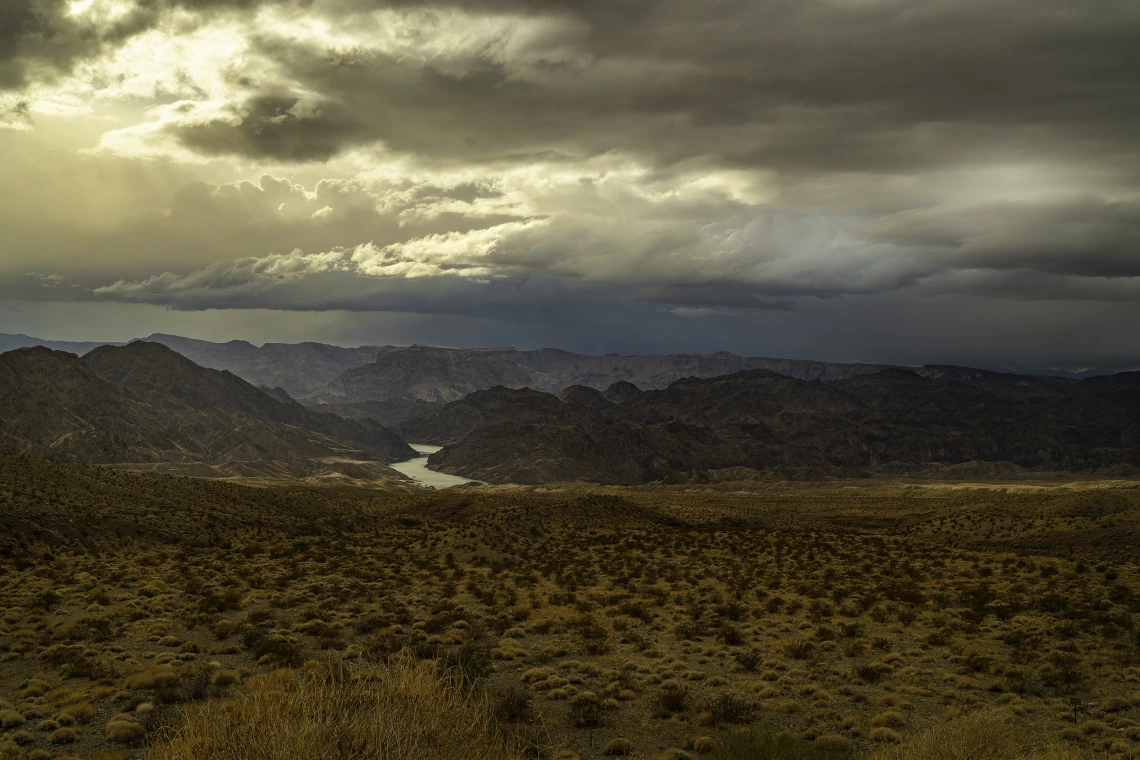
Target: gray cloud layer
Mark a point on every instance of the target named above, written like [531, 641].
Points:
[517, 160]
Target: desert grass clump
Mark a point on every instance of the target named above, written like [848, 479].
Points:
[766, 743]
[11, 719]
[80, 712]
[403, 709]
[124, 729]
[833, 743]
[884, 735]
[703, 744]
[729, 707]
[157, 677]
[63, 735]
[619, 747]
[981, 735]
[890, 719]
[225, 678]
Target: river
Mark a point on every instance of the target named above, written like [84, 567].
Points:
[417, 469]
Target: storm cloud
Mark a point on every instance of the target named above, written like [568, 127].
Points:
[517, 161]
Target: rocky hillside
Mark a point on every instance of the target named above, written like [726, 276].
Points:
[425, 373]
[451, 422]
[300, 369]
[144, 405]
[894, 421]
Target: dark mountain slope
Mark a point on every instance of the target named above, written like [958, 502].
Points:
[152, 367]
[279, 394]
[621, 392]
[579, 398]
[57, 406]
[1020, 388]
[52, 405]
[892, 421]
[1106, 407]
[451, 422]
[605, 450]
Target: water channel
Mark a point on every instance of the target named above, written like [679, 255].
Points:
[417, 469]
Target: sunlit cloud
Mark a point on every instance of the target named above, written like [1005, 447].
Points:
[701, 161]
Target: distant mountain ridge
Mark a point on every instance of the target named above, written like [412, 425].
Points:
[10, 342]
[145, 405]
[386, 383]
[548, 415]
[300, 369]
[437, 374]
[896, 421]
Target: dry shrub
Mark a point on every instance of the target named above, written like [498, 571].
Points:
[403, 709]
[890, 719]
[225, 678]
[887, 735]
[80, 711]
[833, 743]
[124, 729]
[155, 677]
[619, 747]
[975, 736]
[63, 736]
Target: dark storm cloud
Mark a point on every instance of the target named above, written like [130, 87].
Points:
[876, 86]
[301, 283]
[725, 295]
[40, 34]
[1086, 237]
[236, 285]
[43, 38]
[824, 86]
[843, 85]
[272, 126]
[515, 159]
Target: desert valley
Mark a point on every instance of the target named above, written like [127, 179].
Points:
[569, 379]
[653, 561]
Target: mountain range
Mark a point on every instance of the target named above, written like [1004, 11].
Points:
[538, 416]
[387, 383]
[894, 421]
[300, 369]
[10, 342]
[143, 405]
[438, 374]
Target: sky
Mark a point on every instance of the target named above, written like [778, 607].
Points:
[900, 181]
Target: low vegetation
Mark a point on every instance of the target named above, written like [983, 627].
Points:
[405, 709]
[151, 616]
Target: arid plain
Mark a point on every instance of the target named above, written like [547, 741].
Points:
[156, 616]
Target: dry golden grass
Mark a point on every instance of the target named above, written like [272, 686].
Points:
[984, 735]
[400, 711]
[848, 618]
